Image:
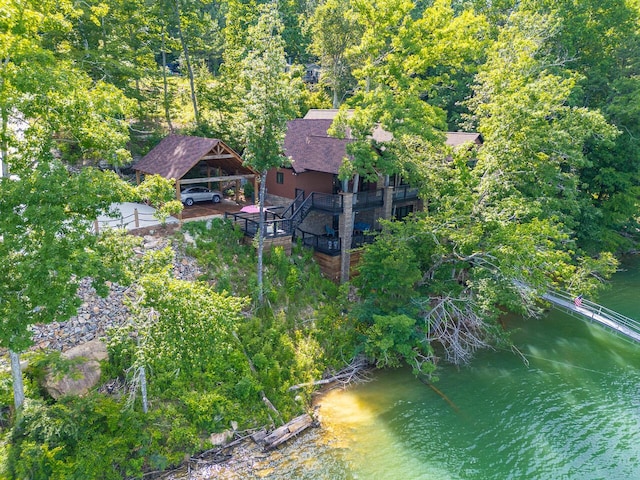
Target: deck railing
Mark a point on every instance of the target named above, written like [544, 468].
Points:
[331, 245]
[274, 226]
[320, 243]
[326, 202]
[295, 205]
[404, 192]
[368, 199]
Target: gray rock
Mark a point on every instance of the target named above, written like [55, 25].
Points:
[94, 350]
[221, 438]
[82, 378]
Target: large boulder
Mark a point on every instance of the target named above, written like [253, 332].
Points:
[84, 372]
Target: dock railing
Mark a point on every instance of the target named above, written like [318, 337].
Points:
[584, 308]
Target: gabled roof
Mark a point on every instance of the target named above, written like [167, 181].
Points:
[175, 155]
[458, 138]
[311, 148]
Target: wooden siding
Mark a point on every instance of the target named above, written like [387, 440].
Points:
[308, 181]
[330, 264]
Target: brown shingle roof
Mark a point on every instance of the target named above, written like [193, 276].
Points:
[311, 148]
[458, 138]
[175, 155]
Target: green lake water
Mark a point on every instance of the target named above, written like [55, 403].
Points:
[570, 411]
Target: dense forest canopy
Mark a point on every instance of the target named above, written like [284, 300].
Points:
[548, 200]
[423, 66]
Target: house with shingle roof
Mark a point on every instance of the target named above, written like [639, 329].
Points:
[317, 157]
[194, 160]
[318, 211]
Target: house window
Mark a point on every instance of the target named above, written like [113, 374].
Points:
[402, 212]
[279, 178]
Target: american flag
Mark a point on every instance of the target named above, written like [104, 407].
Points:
[578, 301]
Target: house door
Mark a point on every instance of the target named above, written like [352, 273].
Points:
[298, 192]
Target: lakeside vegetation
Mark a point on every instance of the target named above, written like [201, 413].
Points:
[211, 360]
[549, 200]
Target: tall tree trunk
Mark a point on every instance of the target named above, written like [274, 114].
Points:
[4, 149]
[261, 226]
[165, 100]
[185, 50]
[4, 127]
[16, 374]
[335, 82]
[143, 389]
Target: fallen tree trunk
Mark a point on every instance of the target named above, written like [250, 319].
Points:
[354, 372]
[284, 433]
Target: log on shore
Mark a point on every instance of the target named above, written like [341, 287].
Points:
[284, 433]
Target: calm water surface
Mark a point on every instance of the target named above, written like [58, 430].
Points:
[571, 410]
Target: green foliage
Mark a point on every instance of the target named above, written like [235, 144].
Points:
[271, 93]
[406, 66]
[303, 329]
[77, 438]
[6, 393]
[390, 340]
[390, 274]
[228, 263]
[181, 326]
[333, 31]
[47, 247]
[160, 193]
[248, 190]
[553, 88]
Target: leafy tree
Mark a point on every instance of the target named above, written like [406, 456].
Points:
[193, 23]
[43, 92]
[269, 103]
[113, 41]
[600, 40]
[534, 140]
[404, 61]
[47, 247]
[161, 194]
[45, 237]
[333, 31]
[179, 326]
[497, 231]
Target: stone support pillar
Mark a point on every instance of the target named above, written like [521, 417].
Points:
[387, 207]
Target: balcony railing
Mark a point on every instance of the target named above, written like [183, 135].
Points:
[327, 202]
[368, 199]
[331, 245]
[404, 192]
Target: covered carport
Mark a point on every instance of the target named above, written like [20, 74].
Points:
[195, 160]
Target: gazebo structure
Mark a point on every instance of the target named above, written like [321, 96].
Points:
[190, 160]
